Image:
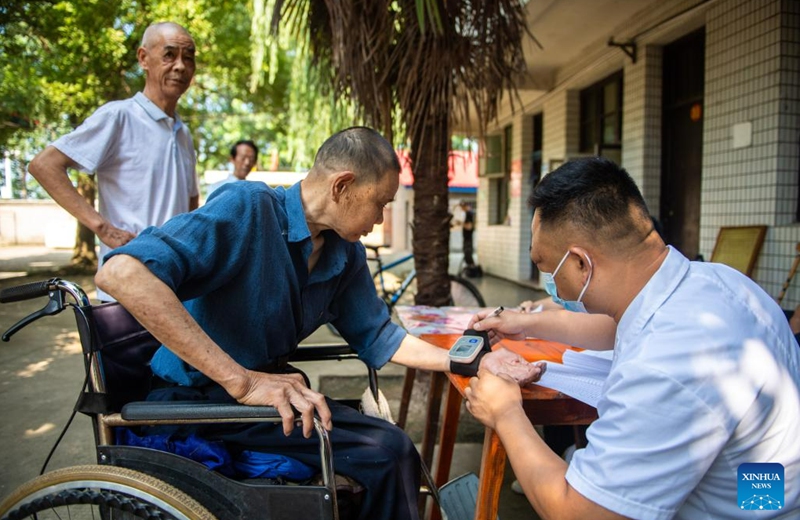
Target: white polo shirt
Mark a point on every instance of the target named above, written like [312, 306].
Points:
[144, 161]
[706, 376]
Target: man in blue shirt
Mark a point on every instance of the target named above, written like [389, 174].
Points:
[258, 270]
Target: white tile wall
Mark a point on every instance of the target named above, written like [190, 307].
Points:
[641, 124]
[752, 74]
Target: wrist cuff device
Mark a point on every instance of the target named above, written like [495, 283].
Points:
[471, 369]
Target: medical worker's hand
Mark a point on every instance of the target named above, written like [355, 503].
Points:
[490, 398]
[509, 324]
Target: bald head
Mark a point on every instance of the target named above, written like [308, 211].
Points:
[360, 150]
[167, 57]
[153, 33]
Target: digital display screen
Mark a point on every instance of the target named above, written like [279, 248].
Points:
[464, 347]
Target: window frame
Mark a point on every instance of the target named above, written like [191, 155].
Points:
[593, 116]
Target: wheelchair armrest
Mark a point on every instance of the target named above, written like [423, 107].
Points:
[195, 411]
[322, 353]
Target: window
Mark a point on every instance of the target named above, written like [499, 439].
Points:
[497, 167]
[601, 118]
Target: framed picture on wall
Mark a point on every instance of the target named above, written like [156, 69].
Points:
[739, 246]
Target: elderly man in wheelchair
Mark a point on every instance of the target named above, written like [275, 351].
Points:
[228, 291]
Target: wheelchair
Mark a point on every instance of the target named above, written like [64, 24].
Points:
[140, 482]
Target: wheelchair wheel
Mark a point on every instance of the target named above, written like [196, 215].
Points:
[464, 294]
[100, 492]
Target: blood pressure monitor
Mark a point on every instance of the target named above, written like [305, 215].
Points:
[466, 349]
[467, 352]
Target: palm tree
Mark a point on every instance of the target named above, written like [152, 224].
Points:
[428, 62]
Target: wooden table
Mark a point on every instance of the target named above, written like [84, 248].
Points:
[542, 405]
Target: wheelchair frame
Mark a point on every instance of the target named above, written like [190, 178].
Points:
[137, 482]
[147, 475]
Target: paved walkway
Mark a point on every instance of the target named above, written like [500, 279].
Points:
[41, 373]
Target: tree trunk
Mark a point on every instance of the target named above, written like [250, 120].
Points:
[84, 255]
[429, 155]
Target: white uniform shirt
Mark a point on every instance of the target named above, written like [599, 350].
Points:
[706, 376]
[227, 180]
[144, 161]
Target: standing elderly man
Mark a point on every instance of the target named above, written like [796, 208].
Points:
[139, 148]
[259, 269]
[705, 378]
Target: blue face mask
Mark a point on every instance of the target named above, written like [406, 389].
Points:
[552, 290]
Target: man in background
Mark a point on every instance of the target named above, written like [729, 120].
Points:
[467, 230]
[139, 149]
[244, 155]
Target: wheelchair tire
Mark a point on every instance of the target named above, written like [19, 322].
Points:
[464, 293]
[100, 492]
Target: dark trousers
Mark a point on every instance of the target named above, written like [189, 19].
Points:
[467, 248]
[373, 452]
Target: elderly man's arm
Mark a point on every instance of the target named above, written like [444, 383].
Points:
[160, 311]
[497, 403]
[415, 353]
[49, 168]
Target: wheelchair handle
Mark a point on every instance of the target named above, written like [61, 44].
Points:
[55, 288]
[27, 291]
[32, 290]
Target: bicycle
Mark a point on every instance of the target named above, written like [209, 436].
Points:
[395, 289]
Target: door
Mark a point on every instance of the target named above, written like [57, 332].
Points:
[536, 173]
[682, 142]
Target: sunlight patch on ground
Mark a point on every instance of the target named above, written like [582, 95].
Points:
[41, 266]
[34, 368]
[12, 274]
[69, 342]
[46, 427]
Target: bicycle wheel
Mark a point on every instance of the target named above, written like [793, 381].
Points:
[464, 294]
[100, 492]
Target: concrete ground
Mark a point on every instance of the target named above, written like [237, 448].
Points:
[41, 373]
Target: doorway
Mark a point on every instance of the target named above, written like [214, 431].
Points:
[536, 174]
[682, 142]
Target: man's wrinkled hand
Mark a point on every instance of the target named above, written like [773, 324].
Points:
[114, 237]
[503, 362]
[286, 392]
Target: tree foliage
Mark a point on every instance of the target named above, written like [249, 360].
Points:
[62, 59]
[425, 63]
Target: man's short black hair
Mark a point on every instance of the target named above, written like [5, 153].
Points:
[591, 193]
[358, 149]
[248, 142]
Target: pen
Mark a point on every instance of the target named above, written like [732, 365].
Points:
[496, 312]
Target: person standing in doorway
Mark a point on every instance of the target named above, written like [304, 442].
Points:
[467, 230]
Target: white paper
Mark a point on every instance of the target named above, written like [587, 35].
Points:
[581, 376]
